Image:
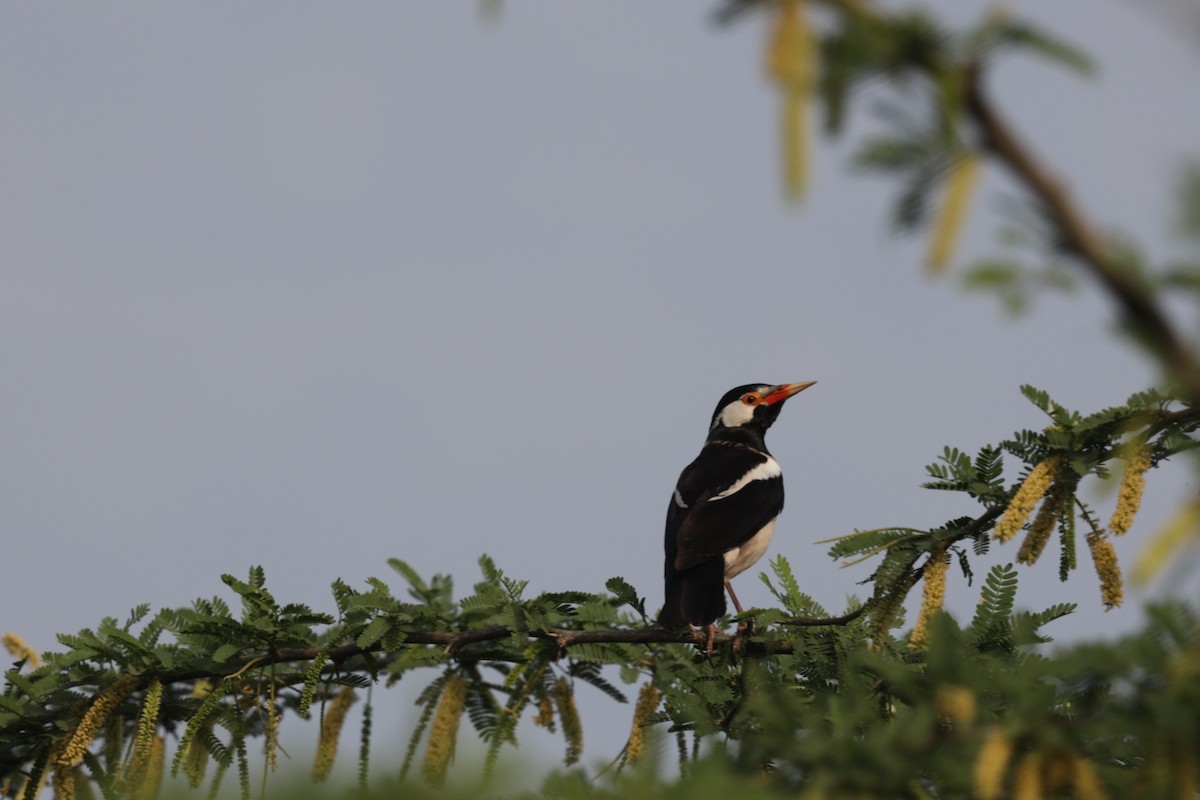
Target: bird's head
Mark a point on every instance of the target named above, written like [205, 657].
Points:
[753, 406]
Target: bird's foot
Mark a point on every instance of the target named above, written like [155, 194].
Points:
[745, 629]
[710, 637]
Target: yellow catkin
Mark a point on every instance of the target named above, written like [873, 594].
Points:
[792, 63]
[647, 704]
[271, 746]
[990, 765]
[331, 731]
[545, 715]
[63, 781]
[960, 189]
[93, 720]
[1027, 496]
[151, 781]
[955, 704]
[1027, 778]
[1129, 496]
[1043, 525]
[572, 728]
[1184, 525]
[143, 742]
[195, 761]
[795, 143]
[1086, 781]
[1104, 556]
[21, 651]
[443, 734]
[932, 597]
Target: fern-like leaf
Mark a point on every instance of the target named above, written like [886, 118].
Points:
[991, 627]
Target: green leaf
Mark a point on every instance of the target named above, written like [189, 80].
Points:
[867, 543]
[1024, 35]
[138, 613]
[373, 632]
[624, 592]
[414, 580]
[992, 625]
[225, 652]
[891, 154]
[589, 672]
[992, 275]
[1038, 397]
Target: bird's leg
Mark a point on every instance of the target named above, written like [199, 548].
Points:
[732, 596]
[742, 625]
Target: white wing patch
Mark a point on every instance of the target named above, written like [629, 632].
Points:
[764, 471]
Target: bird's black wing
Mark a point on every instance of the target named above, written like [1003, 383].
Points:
[732, 492]
[720, 525]
[704, 519]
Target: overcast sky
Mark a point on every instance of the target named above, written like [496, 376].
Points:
[313, 285]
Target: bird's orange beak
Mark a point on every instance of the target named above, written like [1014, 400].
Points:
[783, 391]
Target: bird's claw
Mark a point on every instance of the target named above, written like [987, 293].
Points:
[745, 629]
[737, 637]
[710, 637]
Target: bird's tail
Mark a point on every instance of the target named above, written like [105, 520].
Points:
[694, 596]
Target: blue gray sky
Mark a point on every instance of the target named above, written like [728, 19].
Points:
[310, 286]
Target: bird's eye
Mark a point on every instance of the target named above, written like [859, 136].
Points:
[750, 399]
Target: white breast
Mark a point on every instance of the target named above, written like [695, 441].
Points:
[740, 559]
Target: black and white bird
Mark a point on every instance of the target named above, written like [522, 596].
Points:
[722, 514]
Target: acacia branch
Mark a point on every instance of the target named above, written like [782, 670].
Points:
[455, 641]
[1079, 239]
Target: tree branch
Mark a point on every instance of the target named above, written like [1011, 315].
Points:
[1146, 318]
[455, 641]
[1077, 238]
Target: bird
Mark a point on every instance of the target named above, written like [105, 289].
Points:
[722, 513]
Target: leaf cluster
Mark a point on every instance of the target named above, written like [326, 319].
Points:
[834, 708]
[227, 675]
[1087, 445]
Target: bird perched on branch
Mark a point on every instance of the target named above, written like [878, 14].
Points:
[723, 511]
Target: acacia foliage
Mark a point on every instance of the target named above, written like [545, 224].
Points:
[854, 704]
[858, 706]
[831, 711]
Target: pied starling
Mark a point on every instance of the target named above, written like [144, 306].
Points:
[723, 511]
